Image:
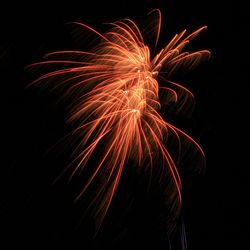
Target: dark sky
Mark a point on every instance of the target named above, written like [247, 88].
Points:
[38, 216]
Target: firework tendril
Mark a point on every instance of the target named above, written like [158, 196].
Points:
[114, 90]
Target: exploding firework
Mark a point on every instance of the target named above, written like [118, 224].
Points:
[115, 107]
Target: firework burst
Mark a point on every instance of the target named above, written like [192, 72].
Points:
[115, 102]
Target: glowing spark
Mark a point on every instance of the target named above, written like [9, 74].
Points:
[116, 103]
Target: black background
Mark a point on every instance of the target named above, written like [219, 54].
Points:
[36, 215]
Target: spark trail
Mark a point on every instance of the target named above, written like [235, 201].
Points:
[115, 102]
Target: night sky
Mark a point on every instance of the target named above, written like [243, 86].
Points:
[35, 214]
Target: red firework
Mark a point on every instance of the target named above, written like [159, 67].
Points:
[116, 104]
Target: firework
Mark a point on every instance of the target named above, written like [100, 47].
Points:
[114, 93]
